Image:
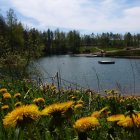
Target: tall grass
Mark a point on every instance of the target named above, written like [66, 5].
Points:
[61, 126]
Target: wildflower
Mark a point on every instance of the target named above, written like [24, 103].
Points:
[85, 124]
[18, 104]
[52, 109]
[57, 108]
[58, 112]
[95, 114]
[44, 87]
[112, 92]
[78, 106]
[3, 90]
[122, 100]
[39, 100]
[126, 122]
[130, 121]
[115, 118]
[21, 115]
[77, 91]
[137, 120]
[53, 87]
[5, 107]
[17, 95]
[73, 97]
[98, 113]
[6, 95]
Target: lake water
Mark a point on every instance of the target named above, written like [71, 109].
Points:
[86, 72]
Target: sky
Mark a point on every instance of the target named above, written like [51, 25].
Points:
[85, 16]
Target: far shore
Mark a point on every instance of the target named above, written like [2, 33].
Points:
[100, 55]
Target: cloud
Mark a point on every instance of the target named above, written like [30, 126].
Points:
[86, 15]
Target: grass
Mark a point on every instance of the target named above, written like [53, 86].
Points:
[60, 123]
[124, 53]
[112, 48]
[89, 49]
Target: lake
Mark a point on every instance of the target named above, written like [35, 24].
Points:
[124, 75]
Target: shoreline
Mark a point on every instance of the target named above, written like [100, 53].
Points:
[99, 55]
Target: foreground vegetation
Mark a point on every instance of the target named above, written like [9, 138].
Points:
[32, 112]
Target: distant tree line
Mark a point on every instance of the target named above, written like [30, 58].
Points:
[111, 40]
[19, 45]
[16, 39]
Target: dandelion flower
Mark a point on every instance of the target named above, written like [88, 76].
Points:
[57, 108]
[5, 107]
[98, 113]
[73, 97]
[39, 100]
[95, 114]
[78, 106]
[21, 115]
[137, 120]
[3, 90]
[53, 87]
[116, 117]
[17, 95]
[85, 124]
[17, 104]
[67, 105]
[129, 122]
[6, 95]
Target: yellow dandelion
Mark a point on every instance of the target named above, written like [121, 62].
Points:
[18, 104]
[122, 100]
[6, 95]
[57, 108]
[77, 91]
[129, 122]
[67, 105]
[21, 116]
[52, 109]
[17, 95]
[98, 113]
[137, 120]
[116, 117]
[73, 97]
[95, 114]
[53, 87]
[86, 123]
[3, 90]
[5, 107]
[39, 100]
[78, 106]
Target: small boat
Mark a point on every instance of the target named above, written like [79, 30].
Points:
[106, 62]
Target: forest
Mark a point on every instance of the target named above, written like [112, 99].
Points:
[16, 38]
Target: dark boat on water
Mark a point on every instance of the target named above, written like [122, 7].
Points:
[106, 62]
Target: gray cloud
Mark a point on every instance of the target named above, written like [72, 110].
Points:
[89, 15]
